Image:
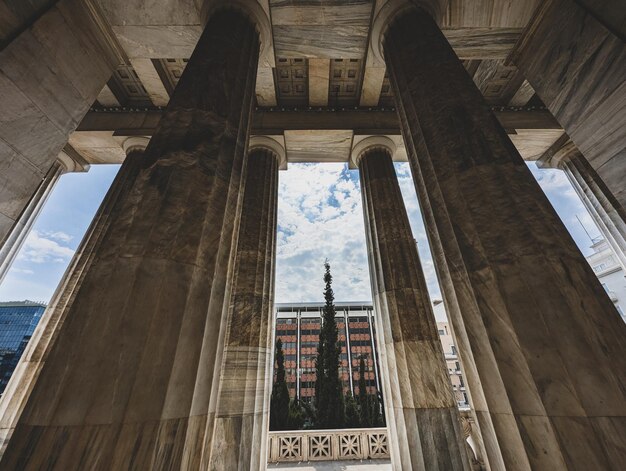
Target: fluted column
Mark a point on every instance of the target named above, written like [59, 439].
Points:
[422, 414]
[128, 381]
[603, 207]
[240, 431]
[542, 346]
[27, 371]
[21, 228]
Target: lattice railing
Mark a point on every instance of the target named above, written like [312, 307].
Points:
[326, 445]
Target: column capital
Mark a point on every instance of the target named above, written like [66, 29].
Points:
[368, 144]
[135, 143]
[257, 15]
[388, 12]
[558, 153]
[268, 143]
[72, 161]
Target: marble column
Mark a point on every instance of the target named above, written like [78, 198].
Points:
[542, 346]
[27, 371]
[128, 381]
[22, 226]
[50, 75]
[607, 213]
[574, 55]
[422, 413]
[240, 430]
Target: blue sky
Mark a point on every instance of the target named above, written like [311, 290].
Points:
[319, 216]
[56, 234]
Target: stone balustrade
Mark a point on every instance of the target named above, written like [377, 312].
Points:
[327, 445]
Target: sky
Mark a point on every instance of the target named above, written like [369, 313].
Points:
[319, 217]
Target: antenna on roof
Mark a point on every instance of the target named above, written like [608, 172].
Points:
[593, 240]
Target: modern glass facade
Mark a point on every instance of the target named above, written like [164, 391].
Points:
[298, 326]
[17, 324]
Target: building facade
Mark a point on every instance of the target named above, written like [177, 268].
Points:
[609, 271]
[18, 321]
[298, 327]
[452, 357]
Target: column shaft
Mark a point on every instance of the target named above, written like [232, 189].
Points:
[128, 381]
[542, 346]
[606, 212]
[239, 436]
[50, 75]
[422, 413]
[575, 61]
[21, 228]
[29, 367]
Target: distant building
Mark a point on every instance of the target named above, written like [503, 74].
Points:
[452, 358]
[298, 326]
[610, 273]
[18, 320]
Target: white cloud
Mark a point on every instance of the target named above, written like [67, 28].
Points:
[320, 216]
[39, 248]
[23, 271]
[59, 236]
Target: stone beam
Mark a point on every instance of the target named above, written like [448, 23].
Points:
[131, 123]
[49, 77]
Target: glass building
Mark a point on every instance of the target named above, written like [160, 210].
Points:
[18, 320]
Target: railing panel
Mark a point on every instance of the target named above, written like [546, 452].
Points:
[328, 445]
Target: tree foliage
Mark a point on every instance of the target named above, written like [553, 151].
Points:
[365, 406]
[279, 406]
[329, 400]
[352, 412]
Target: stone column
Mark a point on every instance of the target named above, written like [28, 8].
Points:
[27, 371]
[543, 348]
[573, 54]
[423, 418]
[240, 431]
[128, 381]
[50, 75]
[605, 210]
[23, 225]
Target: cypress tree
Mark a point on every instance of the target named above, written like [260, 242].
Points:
[295, 419]
[352, 412]
[365, 407]
[279, 406]
[329, 388]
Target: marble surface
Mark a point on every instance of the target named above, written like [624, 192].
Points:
[242, 406]
[542, 346]
[583, 88]
[318, 146]
[130, 378]
[49, 76]
[422, 414]
[325, 29]
[32, 361]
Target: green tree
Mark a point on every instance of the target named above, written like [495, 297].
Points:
[352, 412]
[365, 406]
[279, 406]
[295, 419]
[329, 401]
